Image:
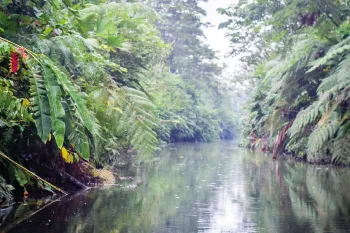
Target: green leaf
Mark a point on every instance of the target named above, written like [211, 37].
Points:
[83, 146]
[138, 120]
[58, 127]
[41, 105]
[104, 26]
[56, 108]
[89, 121]
[22, 177]
[332, 54]
[47, 31]
[75, 131]
[115, 41]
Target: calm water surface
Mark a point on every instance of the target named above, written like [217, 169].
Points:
[210, 188]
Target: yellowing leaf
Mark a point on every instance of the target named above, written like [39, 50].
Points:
[65, 154]
[25, 103]
[118, 110]
[50, 137]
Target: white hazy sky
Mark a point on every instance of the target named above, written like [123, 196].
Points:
[215, 37]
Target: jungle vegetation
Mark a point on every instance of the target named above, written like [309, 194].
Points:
[83, 81]
[297, 54]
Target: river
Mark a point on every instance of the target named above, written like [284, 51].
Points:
[212, 188]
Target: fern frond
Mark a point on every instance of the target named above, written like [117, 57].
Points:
[304, 117]
[138, 120]
[129, 114]
[77, 54]
[332, 93]
[299, 57]
[3, 123]
[341, 151]
[7, 135]
[321, 135]
[333, 52]
[5, 191]
[120, 9]
[341, 74]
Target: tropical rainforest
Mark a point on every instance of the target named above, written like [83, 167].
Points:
[85, 82]
[297, 55]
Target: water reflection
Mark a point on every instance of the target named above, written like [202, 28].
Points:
[210, 188]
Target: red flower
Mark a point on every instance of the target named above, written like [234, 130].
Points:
[23, 53]
[14, 62]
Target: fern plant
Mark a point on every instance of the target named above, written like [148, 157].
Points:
[338, 49]
[139, 126]
[287, 80]
[128, 113]
[5, 192]
[341, 149]
[329, 111]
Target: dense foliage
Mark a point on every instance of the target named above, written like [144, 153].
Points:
[192, 105]
[82, 81]
[298, 52]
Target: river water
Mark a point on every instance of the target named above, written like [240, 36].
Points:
[212, 188]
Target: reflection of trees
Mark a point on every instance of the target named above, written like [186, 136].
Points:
[165, 198]
[295, 197]
[175, 194]
[169, 190]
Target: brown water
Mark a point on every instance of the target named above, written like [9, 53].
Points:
[216, 187]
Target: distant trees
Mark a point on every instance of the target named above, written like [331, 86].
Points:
[203, 114]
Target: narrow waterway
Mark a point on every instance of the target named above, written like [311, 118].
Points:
[213, 188]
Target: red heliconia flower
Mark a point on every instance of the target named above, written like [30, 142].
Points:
[23, 53]
[14, 62]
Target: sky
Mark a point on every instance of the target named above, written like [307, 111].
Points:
[216, 37]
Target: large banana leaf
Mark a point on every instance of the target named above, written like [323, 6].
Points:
[56, 108]
[40, 105]
[89, 121]
[74, 130]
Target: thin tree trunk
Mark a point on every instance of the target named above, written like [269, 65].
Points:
[75, 182]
